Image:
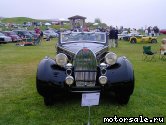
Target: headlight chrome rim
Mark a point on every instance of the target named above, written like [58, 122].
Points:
[69, 80]
[61, 59]
[103, 80]
[110, 58]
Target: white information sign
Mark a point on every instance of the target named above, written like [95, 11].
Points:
[90, 99]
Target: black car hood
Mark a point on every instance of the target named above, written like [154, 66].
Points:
[75, 47]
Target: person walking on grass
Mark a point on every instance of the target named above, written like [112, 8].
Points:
[41, 36]
[111, 41]
[116, 37]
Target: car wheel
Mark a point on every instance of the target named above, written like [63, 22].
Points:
[153, 41]
[48, 101]
[122, 99]
[133, 41]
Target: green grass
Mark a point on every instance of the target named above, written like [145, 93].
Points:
[19, 20]
[20, 104]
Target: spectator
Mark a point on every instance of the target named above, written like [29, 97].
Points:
[111, 37]
[146, 32]
[86, 29]
[149, 31]
[37, 30]
[41, 36]
[116, 37]
[129, 30]
[156, 31]
[152, 32]
[163, 46]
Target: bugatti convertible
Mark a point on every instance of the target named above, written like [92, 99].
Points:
[84, 64]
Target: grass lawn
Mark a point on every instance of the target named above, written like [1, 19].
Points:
[20, 104]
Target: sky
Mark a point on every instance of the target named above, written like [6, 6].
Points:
[126, 13]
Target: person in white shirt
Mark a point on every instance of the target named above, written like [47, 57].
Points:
[146, 32]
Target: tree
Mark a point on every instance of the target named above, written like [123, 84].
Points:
[97, 20]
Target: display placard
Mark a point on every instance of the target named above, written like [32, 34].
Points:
[90, 99]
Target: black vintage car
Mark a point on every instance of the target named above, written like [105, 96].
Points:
[83, 64]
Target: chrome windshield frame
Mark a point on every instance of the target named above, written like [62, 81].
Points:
[82, 34]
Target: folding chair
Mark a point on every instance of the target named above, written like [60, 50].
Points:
[148, 55]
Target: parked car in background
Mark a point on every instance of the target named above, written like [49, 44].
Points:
[13, 35]
[163, 31]
[13, 25]
[84, 64]
[50, 34]
[24, 34]
[120, 36]
[34, 34]
[2, 24]
[143, 39]
[4, 38]
[56, 31]
[127, 37]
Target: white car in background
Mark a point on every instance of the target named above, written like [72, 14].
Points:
[50, 34]
[120, 36]
[4, 39]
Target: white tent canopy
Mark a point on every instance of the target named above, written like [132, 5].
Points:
[62, 19]
[47, 24]
[95, 24]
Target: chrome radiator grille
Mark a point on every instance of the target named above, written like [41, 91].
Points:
[85, 68]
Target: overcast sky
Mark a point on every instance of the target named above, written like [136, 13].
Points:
[127, 13]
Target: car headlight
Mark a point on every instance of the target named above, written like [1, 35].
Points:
[69, 80]
[111, 58]
[103, 80]
[61, 59]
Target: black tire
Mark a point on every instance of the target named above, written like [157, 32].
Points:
[153, 41]
[48, 101]
[133, 41]
[122, 99]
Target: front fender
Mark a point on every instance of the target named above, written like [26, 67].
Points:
[120, 73]
[49, 72]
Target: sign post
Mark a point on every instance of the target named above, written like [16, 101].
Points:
[90, 99]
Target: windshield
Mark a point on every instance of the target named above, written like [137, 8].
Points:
[83, 36]
[26, 33]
